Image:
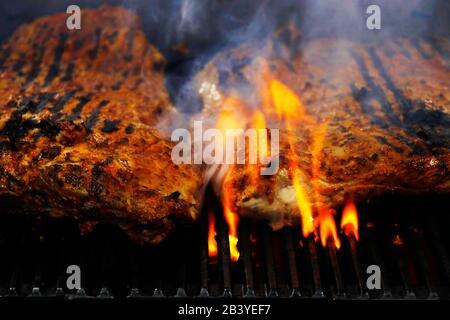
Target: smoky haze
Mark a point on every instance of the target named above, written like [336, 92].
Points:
[205, 27]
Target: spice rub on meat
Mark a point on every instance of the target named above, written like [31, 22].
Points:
[77, 115]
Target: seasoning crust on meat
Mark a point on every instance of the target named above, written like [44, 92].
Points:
[77, 111]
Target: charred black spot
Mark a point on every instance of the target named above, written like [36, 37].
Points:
[110, 126]
[158, 111]
[129, 129]
[374, 157]
[16, 127]
[97, 170]
[48, 128]
[173, 196]
[50, 153]
[116, 86]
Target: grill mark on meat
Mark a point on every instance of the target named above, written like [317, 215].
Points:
[421, 117]
[130, 42]
[365, 94]
[36, 67]
[76, 111]
[387, 143]
[443, 52]
[43, 100]
[54, 67]
[54, 144]
[415, 42]
[403, 51]
[19, 64]
[94, 51]
[68, 73]
[376, 92]
[93, 117]
[6, 52]
[60, 105]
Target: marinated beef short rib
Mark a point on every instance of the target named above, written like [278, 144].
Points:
[382, 111]
[77, 115]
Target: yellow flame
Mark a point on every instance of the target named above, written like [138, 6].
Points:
[303, 204]
[289, 107]
[327, 228]
[349, 221]
[212, 243]
[231, 218]
[287, 103]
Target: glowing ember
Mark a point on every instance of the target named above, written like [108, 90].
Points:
[327, 227]
[212, 244]
[349, 222]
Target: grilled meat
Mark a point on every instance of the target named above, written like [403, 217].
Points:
[374, 118]
[77, 111]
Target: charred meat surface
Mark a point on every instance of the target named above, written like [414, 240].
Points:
[371, 119]
[77, 115]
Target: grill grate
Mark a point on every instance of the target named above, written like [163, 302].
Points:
[409, 246]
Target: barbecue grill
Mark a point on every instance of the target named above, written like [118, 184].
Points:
[406, 237]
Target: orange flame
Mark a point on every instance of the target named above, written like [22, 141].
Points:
[212, 244]
[287, 103]
[328, 231]
[232, 220]
[288, 107]
[228, 117]
[349, 221]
